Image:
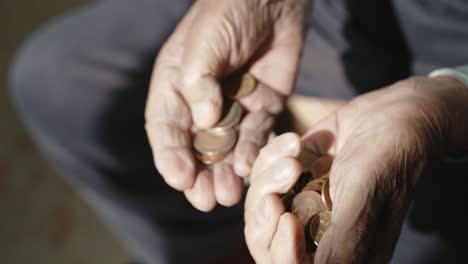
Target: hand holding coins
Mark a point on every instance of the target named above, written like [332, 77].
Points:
[288, 207]
[311, 201]
[214, 144]
[185, 93]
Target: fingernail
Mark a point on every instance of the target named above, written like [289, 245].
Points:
[203, 114]
[263, 211]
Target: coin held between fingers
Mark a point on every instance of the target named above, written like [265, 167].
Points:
[213, 146]
[231, 118]
[240, 86]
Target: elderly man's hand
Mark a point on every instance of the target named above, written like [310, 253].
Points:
[382, 142]
[215, 39]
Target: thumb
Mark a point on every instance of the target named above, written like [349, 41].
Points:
[203, 95]
[215, 47]
[362, 197]
[352, 191]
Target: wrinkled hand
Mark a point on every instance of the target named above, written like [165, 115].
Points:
[382, 142]
[214, 39]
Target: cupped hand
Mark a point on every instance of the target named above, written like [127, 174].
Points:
[382, 142]
[215, 39]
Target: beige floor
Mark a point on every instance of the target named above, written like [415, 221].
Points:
[41, 219]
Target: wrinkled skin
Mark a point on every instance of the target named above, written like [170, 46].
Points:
[215, 39]
[382, 142]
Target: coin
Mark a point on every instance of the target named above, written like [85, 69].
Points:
[231, 117]
[312, 186]
[326, 194]
[240, 86]
[321, 166]
[246, 181]
[211, 159]
[316, 185]
[212, 146]
[248, 85]
[306, 159]
[318, 225]
[307, 204]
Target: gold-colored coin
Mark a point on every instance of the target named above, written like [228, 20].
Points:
[213, 146]
[239, 86]
[307, 158]
[318, 225]
[312, 186]
[326, 199]
[321, 166]
[307, 204]
[211, 159]
[317, 184]
[247, 86]
[231, 117]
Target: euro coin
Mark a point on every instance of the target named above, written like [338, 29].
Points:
[326, 199]
[307, 204]
[240, 86]
[213, 146]
[318, 225]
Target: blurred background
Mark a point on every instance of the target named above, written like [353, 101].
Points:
[42, 220]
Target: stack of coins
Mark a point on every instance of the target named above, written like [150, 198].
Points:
[214, 144]
[310, 199]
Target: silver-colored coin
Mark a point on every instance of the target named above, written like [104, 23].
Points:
[319, 225]
[231, 118]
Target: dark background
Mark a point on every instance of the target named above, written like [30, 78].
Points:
[42, 220]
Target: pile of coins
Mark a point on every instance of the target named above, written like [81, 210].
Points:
[310, 199]
[214, 144]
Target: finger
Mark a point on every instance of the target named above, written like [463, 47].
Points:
[202, 92]
[201, 68]
[264, 98]
[286, 145]
[253, 134]
[279, 178]
[202, 196]
[260, 226]
[167, 127]
[288, 244]
[227, 185]
[171, 52]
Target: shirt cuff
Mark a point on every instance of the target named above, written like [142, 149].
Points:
[460, 73]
